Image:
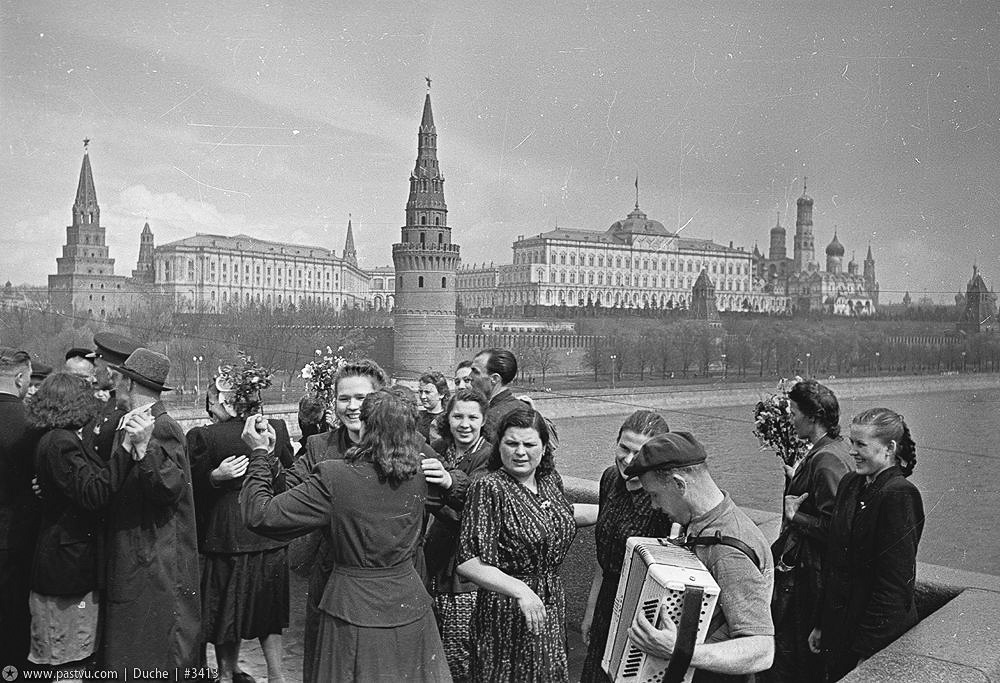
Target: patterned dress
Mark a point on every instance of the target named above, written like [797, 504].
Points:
[622, 514]
[527, 536]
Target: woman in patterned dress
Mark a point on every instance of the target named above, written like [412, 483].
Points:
[463, 457]
[625, 510]
[516, 530]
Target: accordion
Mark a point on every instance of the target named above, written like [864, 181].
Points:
[663, 580]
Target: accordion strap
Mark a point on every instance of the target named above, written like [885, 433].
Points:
[687, 634]
[719, 539]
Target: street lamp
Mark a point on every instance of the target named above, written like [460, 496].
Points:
[725, 366]
[963, 361]
[197, 366]
[808, 356]
[613, 359]
[877, 356]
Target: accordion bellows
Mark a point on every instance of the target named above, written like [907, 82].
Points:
[655, 573]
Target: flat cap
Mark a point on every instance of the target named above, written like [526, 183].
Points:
[666, 452]
[40, 370]
[114, 348]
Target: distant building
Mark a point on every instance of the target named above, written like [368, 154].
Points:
[809, 289]
[703, 299]
[636, 264]
[980, 312]
[205, 273]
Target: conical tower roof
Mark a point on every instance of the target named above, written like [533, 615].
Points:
[86, 195]
[350, 253]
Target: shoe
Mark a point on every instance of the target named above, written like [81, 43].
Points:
[243, 677]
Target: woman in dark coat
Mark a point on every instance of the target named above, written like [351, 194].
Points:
[463, 455]
[77, 484]
[869, 571]
[810, 490]
[375, 621]
[244, 578]
[624, 510]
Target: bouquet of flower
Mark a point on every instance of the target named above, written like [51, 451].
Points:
[240, 385]
[319, 373]
[772, 425]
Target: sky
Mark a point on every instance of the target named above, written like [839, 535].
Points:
[282, 119]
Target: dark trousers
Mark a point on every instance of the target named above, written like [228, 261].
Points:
[793, 608]
[15, 617]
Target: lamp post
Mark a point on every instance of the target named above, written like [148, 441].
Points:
[725, 366]
[197, 370]
[808, 356]
[963, 361]
[613, 359]
[877, 356]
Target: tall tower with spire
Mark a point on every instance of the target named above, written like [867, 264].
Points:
[85, 280]
[868, 275]
[425, 261]
[804, 251]
[350, 253]
[144, 271]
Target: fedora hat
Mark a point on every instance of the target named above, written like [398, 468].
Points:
[146, 367]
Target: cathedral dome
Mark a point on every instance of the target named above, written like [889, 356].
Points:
[835, 248]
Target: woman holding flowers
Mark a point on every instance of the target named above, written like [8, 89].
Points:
[624, 510]
[810, 490]
[244, 579]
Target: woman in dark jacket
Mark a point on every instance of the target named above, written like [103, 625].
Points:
[463, 455]
[810, 489]
[244, 578]
[870, 566]
[77, 484]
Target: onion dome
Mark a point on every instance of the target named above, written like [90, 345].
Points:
[835, 248]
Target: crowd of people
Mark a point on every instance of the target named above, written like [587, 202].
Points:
[432, 525]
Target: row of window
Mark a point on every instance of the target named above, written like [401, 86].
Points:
[634, 262]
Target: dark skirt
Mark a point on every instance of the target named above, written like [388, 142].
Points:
[346, 652]
[600, 625]
[244, 596]
[454, 618]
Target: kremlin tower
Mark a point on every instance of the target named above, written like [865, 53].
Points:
[425, 261]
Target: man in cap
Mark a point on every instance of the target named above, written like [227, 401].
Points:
[39, 371]
[153, 614]
[111, 350]
[740, 640]
[79, 363]
[18, 507]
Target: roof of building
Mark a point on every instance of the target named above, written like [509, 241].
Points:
[835, 248]
[637, 223]
[86, 194]
[250, 244]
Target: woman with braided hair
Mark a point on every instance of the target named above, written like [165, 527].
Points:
[870, 566]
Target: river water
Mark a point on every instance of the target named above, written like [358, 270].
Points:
[957, 472]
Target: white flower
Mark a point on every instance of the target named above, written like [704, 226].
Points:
[318, 352]
[307, 372]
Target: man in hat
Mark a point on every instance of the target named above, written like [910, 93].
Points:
[153, 614]
[111, 350]
[79, 363]
[740, 640]
[18, 507]
[39, 371]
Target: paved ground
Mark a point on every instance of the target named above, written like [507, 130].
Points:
[252, 659]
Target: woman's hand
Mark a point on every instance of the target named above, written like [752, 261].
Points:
[435, 473]
[533, 609]
[792, 505]
[815, 640]
[233, 467]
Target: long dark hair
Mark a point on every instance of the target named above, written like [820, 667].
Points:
[818, 403]
[63, 401]
[389, 440]
[525, 418]
[466, 396]
[888, 425]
